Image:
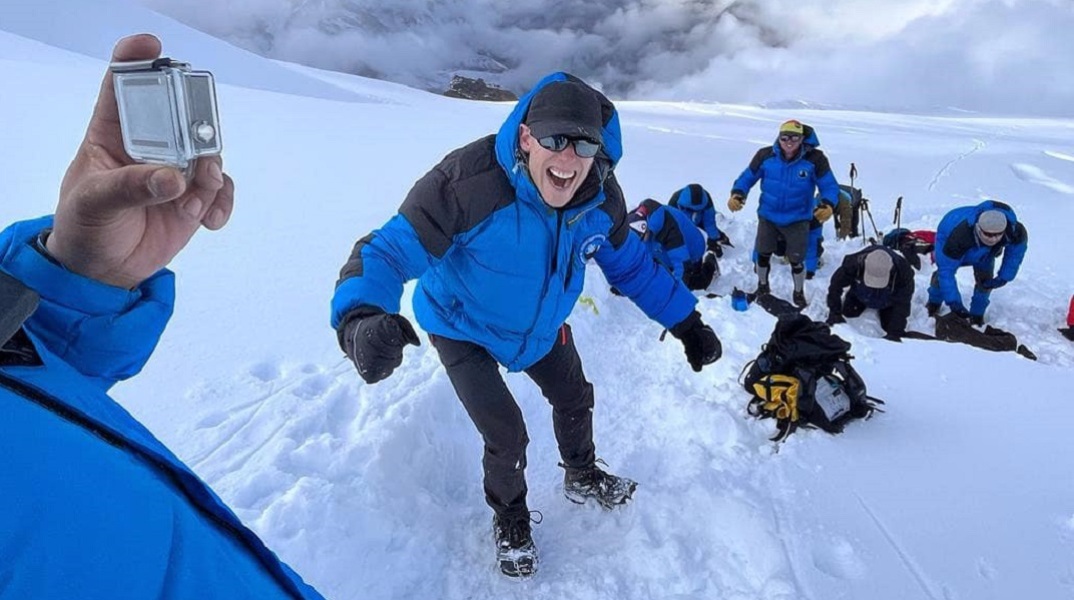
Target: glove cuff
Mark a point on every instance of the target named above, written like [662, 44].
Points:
[690, 322]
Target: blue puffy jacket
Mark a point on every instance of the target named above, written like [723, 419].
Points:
[787, 186]
[91, 504]
[495, 265]
[957, 246]
[696, 203]
[671, 238]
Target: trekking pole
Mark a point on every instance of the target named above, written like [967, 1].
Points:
[898, 213]
[865, 207]
[860, 208]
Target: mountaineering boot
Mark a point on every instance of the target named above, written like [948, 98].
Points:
[977, 320]
[579, 485]
[798, 274]
[514, 545]
[932, 308]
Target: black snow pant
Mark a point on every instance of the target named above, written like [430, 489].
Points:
[475, 375]
[853, 307]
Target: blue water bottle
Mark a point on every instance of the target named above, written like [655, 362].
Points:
[739, 301]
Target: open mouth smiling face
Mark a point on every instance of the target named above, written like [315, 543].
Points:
[557, 174]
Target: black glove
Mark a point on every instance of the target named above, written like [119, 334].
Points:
[714, 246]
[834, 317]
[375, 342]
[698, 340]
[699, 275]
[993, 283]
[709, 267]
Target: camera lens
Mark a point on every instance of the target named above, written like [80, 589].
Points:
[204, 131]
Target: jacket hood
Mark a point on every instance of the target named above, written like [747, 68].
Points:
[510, 156]
[1012, 219]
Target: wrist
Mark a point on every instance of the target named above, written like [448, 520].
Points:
[53, 248]
[691, 321]
[41, 245]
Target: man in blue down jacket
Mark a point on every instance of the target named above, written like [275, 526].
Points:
[975, 236]
[498, 236]
[91, 504]
[695, 202]
[674, 243]
[790, 170]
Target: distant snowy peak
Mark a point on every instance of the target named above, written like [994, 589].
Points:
[618, 42]
[916, 55]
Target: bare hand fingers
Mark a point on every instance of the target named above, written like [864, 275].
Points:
[209, 174]
[220, 210]
[105, 193]
[208, 180]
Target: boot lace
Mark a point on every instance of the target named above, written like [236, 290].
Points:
[516, 529]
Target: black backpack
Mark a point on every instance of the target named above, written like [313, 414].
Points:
[803, 378]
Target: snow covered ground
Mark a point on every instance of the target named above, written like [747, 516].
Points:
[961, 491]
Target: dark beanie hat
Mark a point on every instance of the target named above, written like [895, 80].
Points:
[565, 108]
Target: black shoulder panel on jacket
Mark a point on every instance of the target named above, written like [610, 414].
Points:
[457, 194]
[669, 236]
[614, 206]
[1020, 235]
[820, 163]
[353, 266]
[762, 155]
[698, 198]
[960, 241]
[650, 206]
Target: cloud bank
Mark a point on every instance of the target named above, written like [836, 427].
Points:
[992, 56]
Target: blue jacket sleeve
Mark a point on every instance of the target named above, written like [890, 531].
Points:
[1013, 255]
[104, 332]
[946, 266]
[379, 266]
[708, 219]
[746, 180]
[631, 269]
[829, 188]
[678, 256]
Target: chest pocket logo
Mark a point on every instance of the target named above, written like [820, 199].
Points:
[590, 246]
[803, 174]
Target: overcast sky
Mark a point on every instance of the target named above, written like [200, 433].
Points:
[995, 56]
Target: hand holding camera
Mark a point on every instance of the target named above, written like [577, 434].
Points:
[120, 221]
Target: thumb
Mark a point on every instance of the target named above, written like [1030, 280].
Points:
[131, 186]
[409, 335]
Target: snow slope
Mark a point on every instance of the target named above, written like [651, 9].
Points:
[962, 490]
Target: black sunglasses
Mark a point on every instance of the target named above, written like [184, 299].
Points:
[584, 148]
[789, 138]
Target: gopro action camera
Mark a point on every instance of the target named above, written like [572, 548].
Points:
[167, 112]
